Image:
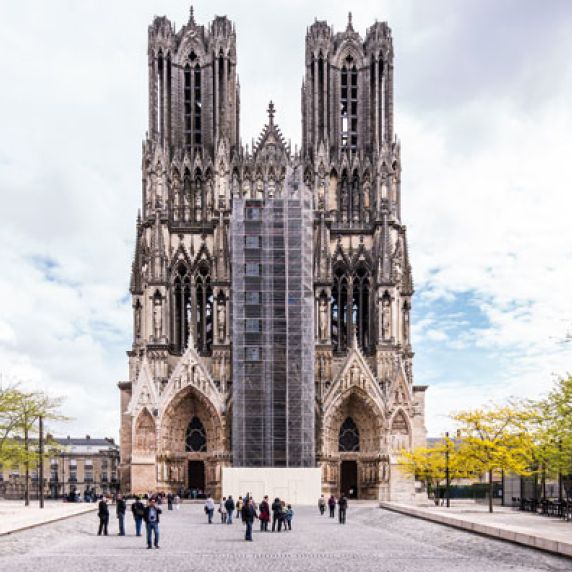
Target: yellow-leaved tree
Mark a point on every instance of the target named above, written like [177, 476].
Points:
[432, 465]
[496, 438]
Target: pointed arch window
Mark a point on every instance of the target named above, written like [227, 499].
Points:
[181, 307]
[192, 101]
[349, 104]
[195, 437]
[339, 310]
[348, 440]
[361, 306]
[205, 303]
[160, 95]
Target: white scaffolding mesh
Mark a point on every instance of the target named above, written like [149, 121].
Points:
[273, 330]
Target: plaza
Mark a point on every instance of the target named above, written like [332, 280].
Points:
[372, 540]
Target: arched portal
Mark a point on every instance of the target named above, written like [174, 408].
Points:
[192, 440]
[353, 430]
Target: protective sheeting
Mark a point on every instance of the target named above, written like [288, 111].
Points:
[273, 329]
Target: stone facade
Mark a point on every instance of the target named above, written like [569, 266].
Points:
[176, 407]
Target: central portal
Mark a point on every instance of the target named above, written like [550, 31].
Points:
[197, 476]
[349, 479]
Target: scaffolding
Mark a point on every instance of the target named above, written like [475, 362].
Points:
[273, 329]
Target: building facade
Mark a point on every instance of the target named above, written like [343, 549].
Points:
[79, 464]
[177, 406]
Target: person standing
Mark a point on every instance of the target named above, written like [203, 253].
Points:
[120, 510]
[222, 510]
[209, 508]
[264, 514]
[103, 514]
[177, 501]
[238, 507]
[342, 508]
[332, 506]
[138, 510]
[151, 517]
[170, 501]
[289, 517]
[322, 505]
[229, 504]
[248, 516]
[276, 514]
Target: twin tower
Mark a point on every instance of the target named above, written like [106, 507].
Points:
[271, 288]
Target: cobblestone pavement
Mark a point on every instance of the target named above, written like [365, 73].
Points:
[372, 540]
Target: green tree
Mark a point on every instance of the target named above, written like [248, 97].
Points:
[496, 438]
[19, 415]
[552, 431]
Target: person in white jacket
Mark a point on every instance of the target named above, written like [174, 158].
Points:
[222, 510]
[209, 508]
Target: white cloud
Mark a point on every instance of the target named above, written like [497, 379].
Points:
[482, 103]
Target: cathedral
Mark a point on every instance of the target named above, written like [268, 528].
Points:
[185, 407]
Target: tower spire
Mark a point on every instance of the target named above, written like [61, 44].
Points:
[271, 111]
[192, 16]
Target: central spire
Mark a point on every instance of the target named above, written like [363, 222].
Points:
[271, 111]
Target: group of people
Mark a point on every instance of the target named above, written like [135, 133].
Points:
[248, 511]
[141, 513]
[342, 504]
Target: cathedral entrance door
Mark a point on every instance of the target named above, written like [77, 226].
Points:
[197, 476]
[349, 479]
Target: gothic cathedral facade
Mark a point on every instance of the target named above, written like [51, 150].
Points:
[177, 406]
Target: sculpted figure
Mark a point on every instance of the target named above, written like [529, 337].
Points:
[221, 320]
[157, 318]
[323, 319]
[386, 319]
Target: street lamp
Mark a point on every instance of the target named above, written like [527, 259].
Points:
[447, 474]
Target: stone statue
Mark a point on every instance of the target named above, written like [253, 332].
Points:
[323, 319]
[198, 202]
[137, 319]
[209, 196]
[354, 374]
[386, 319]
[221, 320]
[397, 271]
[235, 185]
[157, 317]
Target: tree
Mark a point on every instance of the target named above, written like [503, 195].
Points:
[552, 431]
[33, 406]
[19, 413]
[11, 400]
[431, 466]
[496, 438]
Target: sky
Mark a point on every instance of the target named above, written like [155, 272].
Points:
[483, 93]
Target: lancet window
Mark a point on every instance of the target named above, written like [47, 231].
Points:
[361, 285]
[205, 303]
[339, 314]
[181, 307]
[349, 104]
[193, 101]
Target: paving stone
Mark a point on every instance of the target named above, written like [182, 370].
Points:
[372, 540]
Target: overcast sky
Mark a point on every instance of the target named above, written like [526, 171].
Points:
[483, 108]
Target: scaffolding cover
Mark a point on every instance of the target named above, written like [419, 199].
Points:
[273, 329]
